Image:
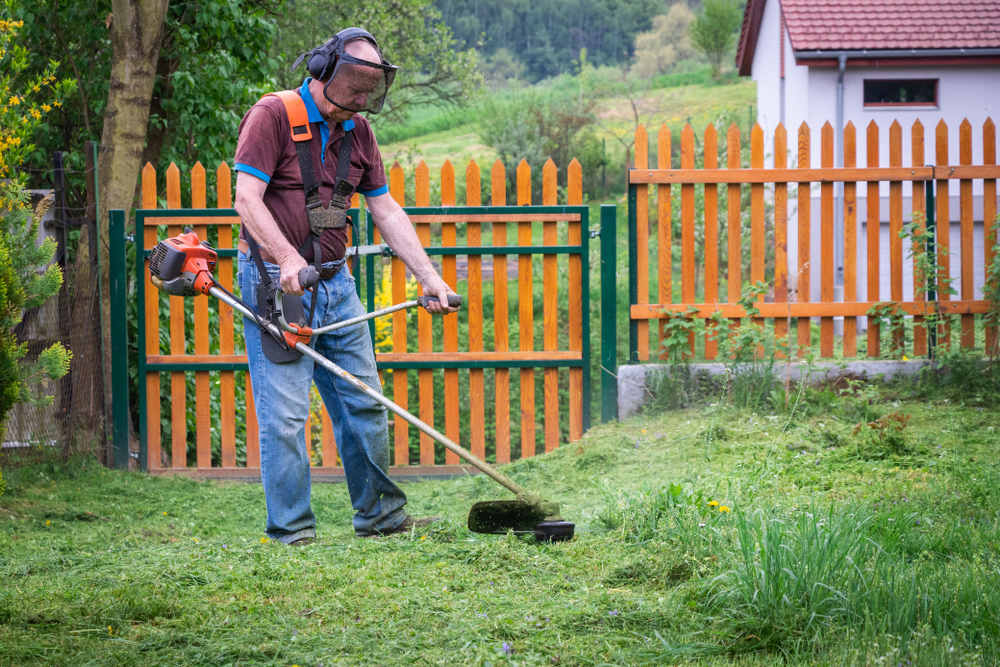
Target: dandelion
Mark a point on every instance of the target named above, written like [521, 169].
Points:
[265, 540]
[48, 523]
[164, 514]
[723, 509]
[423, 537]
[714, 503]
[905, 358]
[109, 631]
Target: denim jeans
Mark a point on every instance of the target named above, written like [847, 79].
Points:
[281, 395]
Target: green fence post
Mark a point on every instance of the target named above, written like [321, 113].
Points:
[119, 343]
[609, 312]
[633, 274]
[931, 249]
[585, 320]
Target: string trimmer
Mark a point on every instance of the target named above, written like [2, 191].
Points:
[184, 266]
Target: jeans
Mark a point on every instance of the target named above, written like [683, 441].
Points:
[281, 395]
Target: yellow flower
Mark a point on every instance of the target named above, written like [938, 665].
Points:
[35, 114]
[164, 514]
[423, 537]
[265, 540]
[57, 103]
[48, 523]
[905, 358]
[714, 503]
[13, 101]
[723, 509]
[109, 630]
[46, 108]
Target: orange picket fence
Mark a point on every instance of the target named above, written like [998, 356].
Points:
[703, 237]
[196, 338]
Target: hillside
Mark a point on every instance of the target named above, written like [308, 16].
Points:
[701, 104]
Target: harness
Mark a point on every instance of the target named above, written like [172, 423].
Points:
[320, 219]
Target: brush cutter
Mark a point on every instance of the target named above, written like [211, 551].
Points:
[184, 266]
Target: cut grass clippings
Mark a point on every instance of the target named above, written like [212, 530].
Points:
[704, 536]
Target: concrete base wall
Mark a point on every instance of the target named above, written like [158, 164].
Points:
[632, 391]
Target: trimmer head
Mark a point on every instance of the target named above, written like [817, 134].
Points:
[498, 516]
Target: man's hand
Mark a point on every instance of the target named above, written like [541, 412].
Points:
[290, 267]
[437, 287]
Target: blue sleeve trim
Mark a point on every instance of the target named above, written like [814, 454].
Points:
[348, 125]
[252, 171]
[374, 193]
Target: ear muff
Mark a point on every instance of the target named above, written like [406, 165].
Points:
[320, 64]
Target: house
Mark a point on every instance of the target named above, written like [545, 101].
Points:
[880, 60]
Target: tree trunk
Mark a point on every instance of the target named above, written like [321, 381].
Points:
[136, 35]
[156, 135]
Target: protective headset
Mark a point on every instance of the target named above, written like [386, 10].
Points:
[329, 61]
[323, 59]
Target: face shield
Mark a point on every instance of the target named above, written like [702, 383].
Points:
[359, 85]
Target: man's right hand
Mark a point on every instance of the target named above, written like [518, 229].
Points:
[290, 267]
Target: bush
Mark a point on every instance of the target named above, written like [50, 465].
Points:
[25, 282]
[534, 125]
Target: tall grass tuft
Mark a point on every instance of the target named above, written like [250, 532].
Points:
[641, 515]
[792, 575]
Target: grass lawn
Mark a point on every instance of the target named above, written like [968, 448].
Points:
[840, 548]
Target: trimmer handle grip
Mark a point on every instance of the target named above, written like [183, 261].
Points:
[454, 300]
[308, 277]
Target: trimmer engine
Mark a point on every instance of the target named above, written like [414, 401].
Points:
[183, 265]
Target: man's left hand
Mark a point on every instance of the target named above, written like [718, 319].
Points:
[437, 287]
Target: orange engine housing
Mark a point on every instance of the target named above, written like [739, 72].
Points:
[183, 265]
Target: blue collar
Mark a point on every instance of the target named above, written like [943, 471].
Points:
[311, 108]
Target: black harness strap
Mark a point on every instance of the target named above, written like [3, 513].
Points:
[320, 218]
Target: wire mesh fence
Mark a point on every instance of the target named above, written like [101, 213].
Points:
[67, 417]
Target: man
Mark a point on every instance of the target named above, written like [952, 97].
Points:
[349, 75]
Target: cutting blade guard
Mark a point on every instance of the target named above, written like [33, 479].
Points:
[183, 265]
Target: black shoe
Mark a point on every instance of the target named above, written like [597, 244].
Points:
[404, 527]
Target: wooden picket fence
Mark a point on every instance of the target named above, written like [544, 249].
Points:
[858, 300]
[560, 224]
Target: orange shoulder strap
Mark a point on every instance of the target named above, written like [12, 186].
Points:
[298, 117]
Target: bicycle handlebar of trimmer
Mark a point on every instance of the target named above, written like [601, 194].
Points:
[454, 300]
[308, 277]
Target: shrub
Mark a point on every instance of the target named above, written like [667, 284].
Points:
[25, 283]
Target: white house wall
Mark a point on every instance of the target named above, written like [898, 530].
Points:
[766, 72]
[971, 92]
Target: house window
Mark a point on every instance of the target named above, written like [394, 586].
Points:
[901, 92]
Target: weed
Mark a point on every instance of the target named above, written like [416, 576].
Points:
[885, 436]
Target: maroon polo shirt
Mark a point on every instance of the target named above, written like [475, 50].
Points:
[265, 149]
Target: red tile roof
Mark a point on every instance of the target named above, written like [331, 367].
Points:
[877, 24]
[892, 24]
